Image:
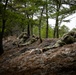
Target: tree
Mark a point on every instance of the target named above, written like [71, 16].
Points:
[56, 31]
[40, 22]
[63, 29]
[46, 18]
[60, 12]
[3, 27]
[74, 29]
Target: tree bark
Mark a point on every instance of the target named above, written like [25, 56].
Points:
[46, 19]
[40, 23]
[56, 29]
[3, 28]
[28, 27]
[31, 27]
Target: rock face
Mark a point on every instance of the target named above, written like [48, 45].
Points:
[58, 61]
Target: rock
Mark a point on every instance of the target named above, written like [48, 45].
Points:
[58, 61]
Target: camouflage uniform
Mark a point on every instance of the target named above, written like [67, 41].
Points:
[29, 41]
[21, 39]
[67, 38]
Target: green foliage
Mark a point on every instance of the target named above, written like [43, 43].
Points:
[63, 29]
[1, 9]
[50, 31]
[43, 32]
[74, 29]
[15, 22]
[17, 11]
[35, 30]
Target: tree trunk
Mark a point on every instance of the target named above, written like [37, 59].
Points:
[31, 29]
[46, 19]
[31, 26]
[1, 45]
[40, 23]
[28, 27]
[40, 28]
[3, 28]
[56, 29]
[28, 30]
[54, 35]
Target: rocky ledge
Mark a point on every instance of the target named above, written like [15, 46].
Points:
[58, 61]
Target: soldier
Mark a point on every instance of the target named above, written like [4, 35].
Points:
[21, 39]
[67, 38]
[29, 41]
[23, 36]
[34, 39]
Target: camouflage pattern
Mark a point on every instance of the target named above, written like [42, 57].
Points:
[24, 40]
[67, 38]
[29, 41]
[21, 38]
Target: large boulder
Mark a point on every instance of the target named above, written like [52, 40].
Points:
[58, 61]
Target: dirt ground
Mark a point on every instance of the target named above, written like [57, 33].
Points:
[30, 60]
